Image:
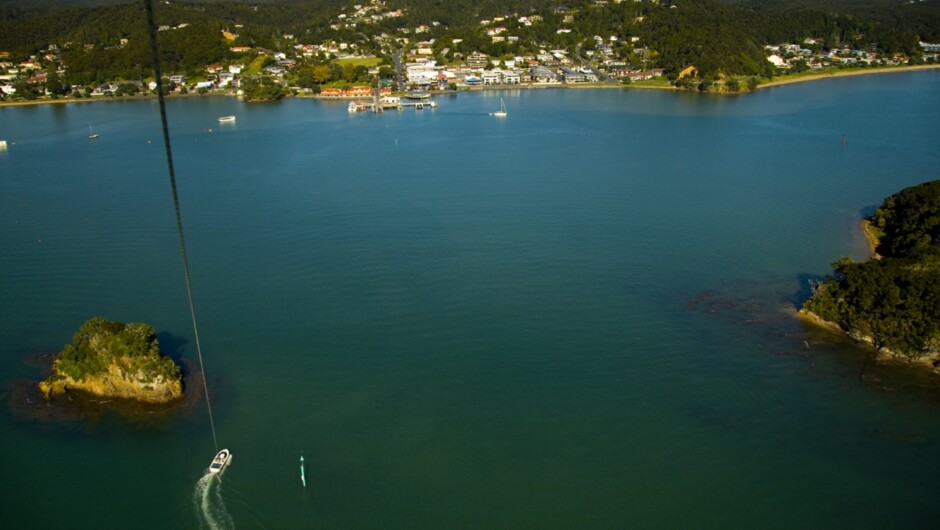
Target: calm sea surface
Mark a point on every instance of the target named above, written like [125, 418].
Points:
[579, 316]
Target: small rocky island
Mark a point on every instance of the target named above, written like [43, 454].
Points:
[891, 301]
[115, 360]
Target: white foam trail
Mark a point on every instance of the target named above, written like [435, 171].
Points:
[209, 505]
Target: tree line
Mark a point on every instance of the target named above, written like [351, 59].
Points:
[894, 300]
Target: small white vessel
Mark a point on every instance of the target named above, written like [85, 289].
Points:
[219, 461]
[501, 113]
[353, 107]
[226, 119]
[91, 134]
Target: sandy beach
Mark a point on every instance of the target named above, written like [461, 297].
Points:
[846, 73]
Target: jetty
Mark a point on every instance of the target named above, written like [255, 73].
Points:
[380, 103]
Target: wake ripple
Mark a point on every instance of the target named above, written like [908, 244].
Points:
[209, 505]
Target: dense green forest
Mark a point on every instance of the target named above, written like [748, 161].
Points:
[99, 343]
[894, 300]
[720, 38]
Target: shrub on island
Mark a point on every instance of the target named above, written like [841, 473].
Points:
[118, 360]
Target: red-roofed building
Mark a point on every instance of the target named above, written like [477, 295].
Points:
[359, 91]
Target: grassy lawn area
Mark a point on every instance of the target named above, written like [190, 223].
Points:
[356, 61]
[255, 67]
[656, 82]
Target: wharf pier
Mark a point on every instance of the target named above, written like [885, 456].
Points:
[382, 106]
[380, 103]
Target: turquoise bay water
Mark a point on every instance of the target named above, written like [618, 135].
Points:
[579, 316]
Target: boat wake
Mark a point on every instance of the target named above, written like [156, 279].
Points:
[209, 505]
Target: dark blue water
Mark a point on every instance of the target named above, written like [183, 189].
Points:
[580, 316]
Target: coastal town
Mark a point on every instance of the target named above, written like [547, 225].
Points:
[426, 59]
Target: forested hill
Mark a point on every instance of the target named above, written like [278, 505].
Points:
[893, 301]
[719, 37]
[891, 25]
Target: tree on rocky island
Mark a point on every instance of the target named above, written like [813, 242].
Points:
[114, 359]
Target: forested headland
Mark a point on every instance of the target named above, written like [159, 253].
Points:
[892, 302]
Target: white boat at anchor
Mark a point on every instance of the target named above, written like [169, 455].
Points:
[219, 461]
[226, 119]
[501, 113]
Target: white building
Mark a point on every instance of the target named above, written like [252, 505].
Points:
[422, 74]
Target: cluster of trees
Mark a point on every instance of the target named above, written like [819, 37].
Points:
[348, 73]
[262, 89]
[99, 343]
[894, 300]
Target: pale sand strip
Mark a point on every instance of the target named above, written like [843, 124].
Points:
[848, 73]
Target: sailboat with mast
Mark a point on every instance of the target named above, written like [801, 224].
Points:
[92, 135]
[501, 113]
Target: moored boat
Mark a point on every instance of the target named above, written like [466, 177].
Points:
[226, 119]
[501, 113]
[219, 461]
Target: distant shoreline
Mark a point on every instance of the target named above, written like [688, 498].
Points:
[847, 73]
[582, 86]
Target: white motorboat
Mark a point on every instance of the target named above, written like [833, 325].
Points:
[226, 119]
[219, 461]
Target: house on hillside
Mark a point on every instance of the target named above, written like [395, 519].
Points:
[477, 60]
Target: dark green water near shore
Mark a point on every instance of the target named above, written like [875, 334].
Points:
[580, 316]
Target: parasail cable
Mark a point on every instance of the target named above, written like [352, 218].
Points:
[151, 27]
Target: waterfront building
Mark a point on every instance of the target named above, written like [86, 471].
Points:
[541, 74]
